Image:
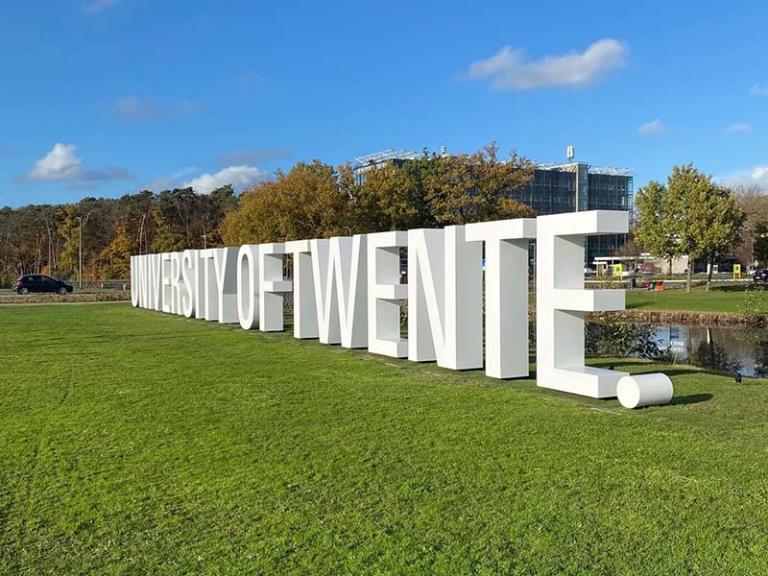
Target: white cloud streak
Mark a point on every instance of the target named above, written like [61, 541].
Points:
[239, 177]
[651, 128]
[133, 108]
[130, 107]
[755, 176]
[738, 128]
[509, 69]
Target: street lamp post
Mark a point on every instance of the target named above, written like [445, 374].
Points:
[80, 253]
[80, 249]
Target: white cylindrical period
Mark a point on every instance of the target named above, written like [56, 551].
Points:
[644, 390]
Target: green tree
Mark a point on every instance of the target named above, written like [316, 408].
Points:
[656, 228]
[708, 220]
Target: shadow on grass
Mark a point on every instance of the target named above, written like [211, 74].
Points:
[690, 399]
[732, 288]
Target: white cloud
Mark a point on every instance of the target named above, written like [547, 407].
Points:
[509, 69]
[240, 177]
[756, 176]
[759, 173]
[653, 127]
[61, 164]
[94, 6]
[738, 128]
[759, 90]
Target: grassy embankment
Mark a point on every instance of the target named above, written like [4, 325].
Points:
[726, 299]
[138, 443]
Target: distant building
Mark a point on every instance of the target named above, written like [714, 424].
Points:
[575, 187]
[378, 159]
[554, 189]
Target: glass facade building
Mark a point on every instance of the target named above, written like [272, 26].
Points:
[575, 187]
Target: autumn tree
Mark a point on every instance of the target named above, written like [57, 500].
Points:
[760, 242]
[439, 190]
[476, 187]
[36, 239]
[753, 201]
[114, 261]
[392, 197]
[310, 201]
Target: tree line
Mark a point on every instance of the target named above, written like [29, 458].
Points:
[692, 215]
[47, 238]
[314, 200]
[311, 200]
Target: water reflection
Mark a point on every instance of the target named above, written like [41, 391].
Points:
[721, 349]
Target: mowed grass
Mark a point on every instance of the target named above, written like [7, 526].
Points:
[730, 299]
[133, 442]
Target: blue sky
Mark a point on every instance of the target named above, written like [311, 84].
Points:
[105, 97]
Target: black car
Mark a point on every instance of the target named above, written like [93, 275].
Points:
[760, 276]
[40, 283]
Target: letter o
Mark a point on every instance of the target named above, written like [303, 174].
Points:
[248, 286]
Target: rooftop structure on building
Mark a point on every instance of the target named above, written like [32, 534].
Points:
[572, 186]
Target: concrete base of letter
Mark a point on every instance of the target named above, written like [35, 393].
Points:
[644, 390]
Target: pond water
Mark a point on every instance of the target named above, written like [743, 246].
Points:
[732, 350]
[728, 349]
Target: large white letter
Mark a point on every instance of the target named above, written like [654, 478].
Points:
[304, 308]
[145, 282]
[166, 281]
[209, 295]
[339, 268]
[445, 298]
[156, 284]
[192, 282]
[248, 286]
[506, 294]
[385, 292]
[271, 287]
[225, 263]
[135, 281]
[561, 301]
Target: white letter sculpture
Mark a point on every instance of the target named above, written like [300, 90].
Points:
[445, 282]
[304, 307]
[348, 291]
[271, 287]
[135, 281]
[248, 286]
[339, 267]
[385, 292]
[506, 293]
[562, 302]
[192, 282]
[225, 265]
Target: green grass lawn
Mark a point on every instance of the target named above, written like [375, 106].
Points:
[732, 299]
[138, 443]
